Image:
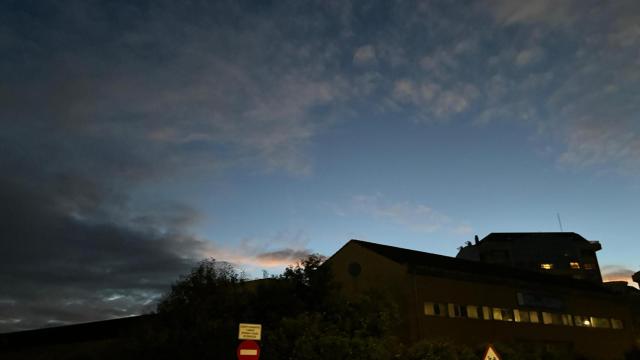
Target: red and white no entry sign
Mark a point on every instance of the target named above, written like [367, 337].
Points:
[248, 350]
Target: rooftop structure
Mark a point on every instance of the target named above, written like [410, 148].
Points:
[559, 253]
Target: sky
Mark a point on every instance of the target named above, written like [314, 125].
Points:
[137, 138]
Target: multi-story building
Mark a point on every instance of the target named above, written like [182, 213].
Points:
[479, 302]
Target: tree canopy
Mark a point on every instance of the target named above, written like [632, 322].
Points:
[303, 315]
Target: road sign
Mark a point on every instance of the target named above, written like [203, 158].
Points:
[248, 350]
[491, 354]
[250, 331]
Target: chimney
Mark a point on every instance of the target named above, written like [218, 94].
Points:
[476, 239]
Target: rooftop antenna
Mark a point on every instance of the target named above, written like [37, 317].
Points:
[560, 222]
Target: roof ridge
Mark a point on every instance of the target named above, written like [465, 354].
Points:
[416, 257]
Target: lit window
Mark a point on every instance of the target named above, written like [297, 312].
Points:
[546, 266]
[533, 316]
[616, 324]
[497, 314]
[588, 266]
[567, 320]
[524, 316]
[486, 313]
[600, 322]
[428, 308]
[502, 314]
[582, 321]
[457, 311]
[434, 309]
[575, 265]
[507, 315]
[472, 312]
[551, 318]
[453, 311]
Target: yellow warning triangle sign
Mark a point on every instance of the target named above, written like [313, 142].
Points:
[491, 354]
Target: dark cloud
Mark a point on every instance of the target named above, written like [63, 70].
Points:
[101, 98]
[62, 263]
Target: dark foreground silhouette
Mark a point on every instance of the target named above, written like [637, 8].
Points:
[303, 314]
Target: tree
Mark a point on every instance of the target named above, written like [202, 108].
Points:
[199, 316]
[210, 281]
[439, 350]
[301, 310]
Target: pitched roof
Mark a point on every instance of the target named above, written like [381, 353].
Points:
[423, 262]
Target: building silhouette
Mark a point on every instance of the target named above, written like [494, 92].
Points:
[560, 253]
[496, 290]
[502, 295]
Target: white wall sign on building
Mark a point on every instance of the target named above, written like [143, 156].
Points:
[249, 331]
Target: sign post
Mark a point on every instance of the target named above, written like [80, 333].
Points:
[250, 332]
[491, 354]
[249, 348]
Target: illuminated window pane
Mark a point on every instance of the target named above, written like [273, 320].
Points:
[575, 265]
[600, 322]
[546, 266]
[616, 324]
[521, 316]
[582, 321]
[567, 320]
[588, 266]
[428, 308]
[502, 314]
[507, 315]
[486, 313]
[472, 311]
[516, 315]
[533, 316]
[497, 314]
[434, 309]
[457, 311]
[453, 310]
[551, 318]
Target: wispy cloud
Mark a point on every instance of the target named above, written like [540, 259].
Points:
[273, 253]
[553, 12]
[618, 273]
[364, 55]
[529, 56]
[596, 143]
[415, 217]
[262, 99]
[201, 105]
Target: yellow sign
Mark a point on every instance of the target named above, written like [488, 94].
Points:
[250, 332]
[491, 354]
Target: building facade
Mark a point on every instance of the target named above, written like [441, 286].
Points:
[476, 303]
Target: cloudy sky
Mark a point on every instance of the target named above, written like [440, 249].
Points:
[139, 137]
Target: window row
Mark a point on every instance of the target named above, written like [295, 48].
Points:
[573, 265]
[518, 315]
